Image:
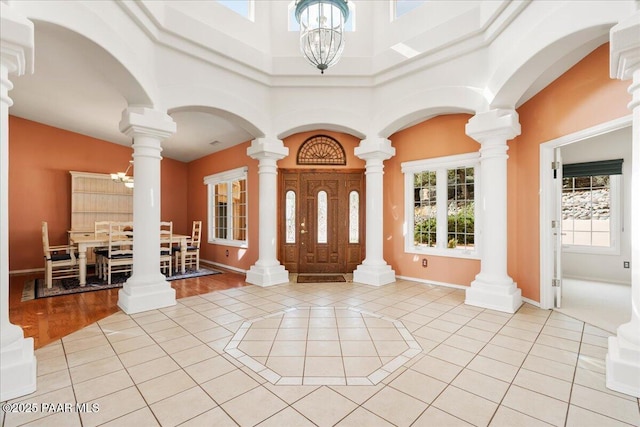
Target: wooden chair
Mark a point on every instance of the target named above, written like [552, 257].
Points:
[120, 250]
[101, 230]
[192, 257]
[166, 247]
[59, 261]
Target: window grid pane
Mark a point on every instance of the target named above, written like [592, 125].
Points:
[290, 217]
[221, 211]
[424, 208]
[322, 217]
[354, 217]
[586, 211]
[460, 208]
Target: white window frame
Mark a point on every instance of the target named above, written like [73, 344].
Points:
[251, 9]
[221, 178]
[393, 8]
[440, 165]
[615, 216]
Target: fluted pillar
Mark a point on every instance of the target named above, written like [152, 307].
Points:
[18, 364]
[374, 270]
[493, 288]
[147, 288]
[267, 270]
[623, 356]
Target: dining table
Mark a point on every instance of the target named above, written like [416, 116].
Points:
[88, 240]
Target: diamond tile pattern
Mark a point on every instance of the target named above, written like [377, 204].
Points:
[329, 354]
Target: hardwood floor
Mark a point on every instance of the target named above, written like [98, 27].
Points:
[49, 319]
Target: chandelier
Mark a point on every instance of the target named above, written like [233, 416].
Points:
[123, 177]
[322, 30]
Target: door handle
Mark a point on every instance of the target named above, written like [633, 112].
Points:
[303, 231]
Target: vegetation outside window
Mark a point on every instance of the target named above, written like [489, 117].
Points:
[441, 214]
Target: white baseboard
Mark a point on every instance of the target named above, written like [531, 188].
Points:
[433, 282]
[228, 267]
[532, 302]
[591, 279]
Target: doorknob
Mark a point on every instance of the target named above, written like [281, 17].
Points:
[303, 231]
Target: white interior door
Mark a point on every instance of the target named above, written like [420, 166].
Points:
[557, 227]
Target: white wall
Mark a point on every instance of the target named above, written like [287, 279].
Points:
[603, 267]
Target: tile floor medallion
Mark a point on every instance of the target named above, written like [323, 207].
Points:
[323, 346]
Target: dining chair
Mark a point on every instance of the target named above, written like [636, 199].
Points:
[166, 247]
[101, 230]
[192, 257]
[120, 250]
[59, 261]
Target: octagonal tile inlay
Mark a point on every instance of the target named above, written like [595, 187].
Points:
[323, 346]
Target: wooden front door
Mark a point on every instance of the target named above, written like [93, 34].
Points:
[322, 221]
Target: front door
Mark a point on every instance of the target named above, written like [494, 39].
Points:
[322, 221]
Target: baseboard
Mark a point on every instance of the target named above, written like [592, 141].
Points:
[217, 264]
[27, 271]
[532, 302]
[591, 279]
[433, 282]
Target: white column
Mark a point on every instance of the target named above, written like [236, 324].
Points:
[18, 365]
[267, 270]
[374, 270]
[147, 288]
[623, 357]
[493, 288]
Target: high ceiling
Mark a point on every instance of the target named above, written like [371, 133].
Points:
[80, 86]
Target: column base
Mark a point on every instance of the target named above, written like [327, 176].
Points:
[375, 275]
[502, 296]
[18, 369]
[144, 294]
[623, 361]
[269, 275]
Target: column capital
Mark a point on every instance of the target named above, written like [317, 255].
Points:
[143, 121]
[624, 48]
[16, 41]
[375, 149]
[267, 148]
[493, 124]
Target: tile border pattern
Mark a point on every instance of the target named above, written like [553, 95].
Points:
[276, 379]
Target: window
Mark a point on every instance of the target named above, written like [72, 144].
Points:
[402, 7]
[241, 7]
[349, 25]
[227, 194]
[322, 216]
[290, 216]
[590, 206]
[354, 217]
[440, 208]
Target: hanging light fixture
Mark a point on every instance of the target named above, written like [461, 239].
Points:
[322, 30]
[123, 177]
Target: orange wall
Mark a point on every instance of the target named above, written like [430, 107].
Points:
[236, 157]
[221, 161]
[583, 97]
[40, 158]
[348, 142]
[440, 136]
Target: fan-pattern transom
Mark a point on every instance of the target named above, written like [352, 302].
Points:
[321, 150]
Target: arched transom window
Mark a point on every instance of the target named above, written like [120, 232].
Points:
[321, 150]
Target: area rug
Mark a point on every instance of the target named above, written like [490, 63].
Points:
[320, 278]
[34, 289]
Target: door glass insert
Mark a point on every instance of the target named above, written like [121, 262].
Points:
[354, 217]
[322, 217]
[290, 218]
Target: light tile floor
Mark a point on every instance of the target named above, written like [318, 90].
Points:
[475, 367]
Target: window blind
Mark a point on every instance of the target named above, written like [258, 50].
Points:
[602, 167]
